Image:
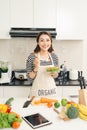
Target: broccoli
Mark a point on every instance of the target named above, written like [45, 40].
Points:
[72, 112]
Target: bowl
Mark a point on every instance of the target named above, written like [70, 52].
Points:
[53, 69]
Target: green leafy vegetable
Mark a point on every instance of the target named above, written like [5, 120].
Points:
[52, 69]
[6, 119]
[72, 112]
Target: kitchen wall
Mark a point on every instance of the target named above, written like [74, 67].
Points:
[16, 51]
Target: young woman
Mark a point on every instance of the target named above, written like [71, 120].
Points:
[43, 83]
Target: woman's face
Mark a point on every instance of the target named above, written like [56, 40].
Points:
[44, 42]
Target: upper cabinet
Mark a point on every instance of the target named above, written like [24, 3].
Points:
[70, 19]
[33, 13]
[21, 13]
[45, 13]
[4, 19]
[67, 16]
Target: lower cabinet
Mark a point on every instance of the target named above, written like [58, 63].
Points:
[16, 91]
[1, 92]
[67, 91]
[24, 91]
[59, 91]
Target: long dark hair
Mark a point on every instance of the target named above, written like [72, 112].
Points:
[37, 49]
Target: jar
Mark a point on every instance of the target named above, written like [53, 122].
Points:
[73, 74]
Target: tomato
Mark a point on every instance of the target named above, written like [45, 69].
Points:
[49, 104]
[9, 109]
[70, 102]
[56, 104]
[16, 124]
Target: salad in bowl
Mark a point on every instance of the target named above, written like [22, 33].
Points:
[54, 69]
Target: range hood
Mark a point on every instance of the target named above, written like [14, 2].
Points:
[31, 32]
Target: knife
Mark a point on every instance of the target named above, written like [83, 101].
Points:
[84, 84]
[28, 102]
[81, 84]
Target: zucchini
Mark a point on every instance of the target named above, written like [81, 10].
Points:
[9, 101]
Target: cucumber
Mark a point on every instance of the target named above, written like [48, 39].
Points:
[9, 101]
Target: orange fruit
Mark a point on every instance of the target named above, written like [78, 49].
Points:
[16, 124]
[49, 104]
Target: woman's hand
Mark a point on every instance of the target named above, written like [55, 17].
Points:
[33, 73]
[36, 64]
[54, 75]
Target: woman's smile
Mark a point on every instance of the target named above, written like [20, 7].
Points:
[45, 47]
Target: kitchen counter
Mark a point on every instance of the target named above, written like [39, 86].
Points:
[57, 124]
[16, 82]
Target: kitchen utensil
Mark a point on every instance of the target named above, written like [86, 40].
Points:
[62, 114]
[0, 72]
[80, 74]
[20, 74]
[82, 82]
[73, 74]
[26, 103]
[5, 73]
[83, 96]
[82, 92]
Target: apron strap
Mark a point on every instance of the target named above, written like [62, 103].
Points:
[51, 59]
[38, 56]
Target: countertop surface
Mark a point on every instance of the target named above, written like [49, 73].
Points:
[17, 82]
[57, 124]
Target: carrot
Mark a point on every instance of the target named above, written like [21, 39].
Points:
[47, 100]
[37, 102]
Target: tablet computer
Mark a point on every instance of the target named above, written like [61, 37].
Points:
[36, 120]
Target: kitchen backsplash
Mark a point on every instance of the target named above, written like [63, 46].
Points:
[16, 51]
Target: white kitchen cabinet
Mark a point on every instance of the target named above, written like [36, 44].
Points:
[68, 16]
[33, 13]
[70, 19]
[4, 19]
[70, 91]
[66, 91]
[59, 91]
[20, 91]
[45, 13]
[24, 91]
[21, 13]
[16, 91]
[1, 92]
